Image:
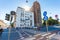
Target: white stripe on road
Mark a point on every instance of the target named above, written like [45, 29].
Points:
[20, 35]
[41, 38]
[32, 38]
[46, 34]
[51, 35]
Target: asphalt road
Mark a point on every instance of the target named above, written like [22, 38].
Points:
[21, 34]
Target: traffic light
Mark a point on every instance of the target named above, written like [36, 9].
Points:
[13, 13]
[11, 17]
[7, 17]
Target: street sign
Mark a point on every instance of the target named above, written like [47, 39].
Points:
[45, 18]
[45, 13]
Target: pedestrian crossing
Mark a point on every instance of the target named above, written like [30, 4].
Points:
[46, 36]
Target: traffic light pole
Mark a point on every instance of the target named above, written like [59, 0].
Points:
[9, 29]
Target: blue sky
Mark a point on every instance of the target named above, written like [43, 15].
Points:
[51, 6]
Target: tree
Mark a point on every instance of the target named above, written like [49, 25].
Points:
[51, 21]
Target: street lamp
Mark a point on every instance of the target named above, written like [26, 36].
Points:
[9, 17]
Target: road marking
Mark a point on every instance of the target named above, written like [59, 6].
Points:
[32, 38]
[37, 35]
[51, 35]
[46, 34]
[41, 38]
[20, 34]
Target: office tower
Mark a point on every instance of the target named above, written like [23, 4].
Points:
[36, 9]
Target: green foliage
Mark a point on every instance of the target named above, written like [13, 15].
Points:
[44, 23]
[12, 24]
[51, 21]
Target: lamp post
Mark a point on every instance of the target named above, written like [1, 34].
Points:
[9, 30]
[10, 19]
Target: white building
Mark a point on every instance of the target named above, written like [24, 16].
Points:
[24, 18]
